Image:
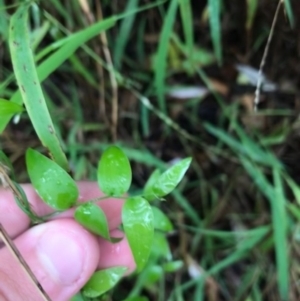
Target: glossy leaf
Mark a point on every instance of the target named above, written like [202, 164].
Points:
[8, 108]
[137, 217]
[171, 177]
[148, 193]
[102, 281]
[161, 221]
[52, 183]
[92, 218]
[114, 172]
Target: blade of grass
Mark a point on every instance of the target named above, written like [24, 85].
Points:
[279, 219]
[256, 153]
[244, 249]
[160, 64]
[68, 47]
[3, 22]
[124, 33]
[199, 56]
[55, 60]
[60, 8]
[276, 197]
[251, 11]
[246, 147]
[214, 8]
[289, 12]
[294, 187]
[39, 34]
[27, 80]
[188, 209]
[188, 30]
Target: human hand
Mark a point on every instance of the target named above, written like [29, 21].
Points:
[61, 253]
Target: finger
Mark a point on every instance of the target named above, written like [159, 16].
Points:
[116, 254]
[15, 221]
[60, 253]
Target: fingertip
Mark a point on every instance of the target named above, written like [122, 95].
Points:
[116, 254]
[61, 254]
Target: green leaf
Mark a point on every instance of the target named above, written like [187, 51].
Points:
[137, 217]
[102, 281]
[52, 183]
[8, 108]
[161, 221]
[92, 218]
[171, 177]
[148, 193]
[114, 172]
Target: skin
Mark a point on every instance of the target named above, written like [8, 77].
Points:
[61, 253]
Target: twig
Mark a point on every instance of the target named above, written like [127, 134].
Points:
[263, 60]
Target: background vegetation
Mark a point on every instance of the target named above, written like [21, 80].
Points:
[172, 79]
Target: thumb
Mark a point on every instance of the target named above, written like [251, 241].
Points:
[60, 253]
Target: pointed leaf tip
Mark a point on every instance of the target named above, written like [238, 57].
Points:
[168, 180]
[102, 281]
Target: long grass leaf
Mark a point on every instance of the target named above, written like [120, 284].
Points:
[255, 151]
[289, 12]
[246, 147]
[124, 33]
[248, 244]
[279, 220]
[188, 30]
[186, 206]
[55, 60]
[160, 65]
[251, 11]
[3, 21]
[214, 8]
[276, 197]
[28, 82]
